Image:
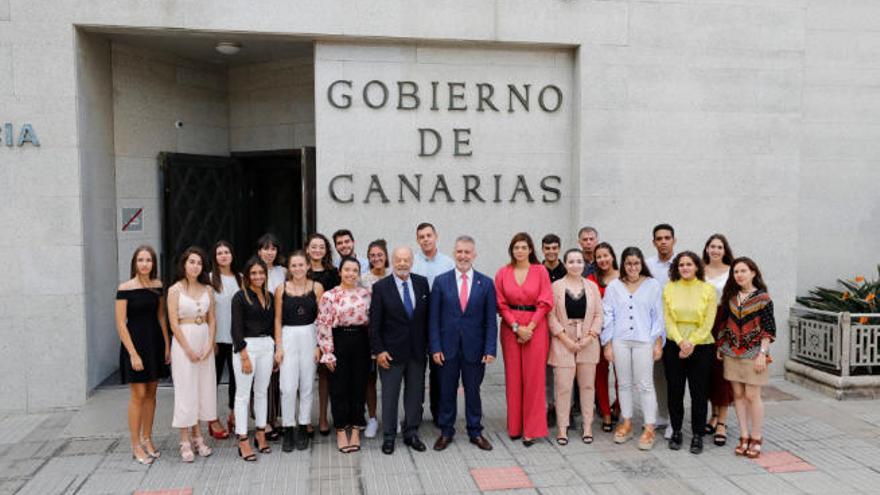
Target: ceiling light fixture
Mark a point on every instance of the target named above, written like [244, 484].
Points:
[228, 47]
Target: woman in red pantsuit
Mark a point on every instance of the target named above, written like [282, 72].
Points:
[524, 299]
[606, 271]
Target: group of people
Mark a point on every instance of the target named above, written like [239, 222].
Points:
[566, 323]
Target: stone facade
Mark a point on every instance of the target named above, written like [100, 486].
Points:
[752, 118]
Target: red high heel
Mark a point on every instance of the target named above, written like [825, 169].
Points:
[220, 433]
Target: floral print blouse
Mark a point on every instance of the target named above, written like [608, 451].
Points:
[340, 308]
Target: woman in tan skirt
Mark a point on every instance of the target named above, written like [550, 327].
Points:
[575, 324]
[744, 344]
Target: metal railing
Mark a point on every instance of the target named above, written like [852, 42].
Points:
[846, 343]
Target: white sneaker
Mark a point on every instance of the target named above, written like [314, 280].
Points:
[372, 428]
[668, 433]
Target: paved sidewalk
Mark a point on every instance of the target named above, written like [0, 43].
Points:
[813, 445]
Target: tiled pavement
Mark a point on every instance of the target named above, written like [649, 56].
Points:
[813, 445]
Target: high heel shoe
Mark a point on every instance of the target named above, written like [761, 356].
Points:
[264, 448]
[149, 448]
[146, 460]
[247, 458]
[230, 424]
[201, 447]
[186, 452]
[219, 433]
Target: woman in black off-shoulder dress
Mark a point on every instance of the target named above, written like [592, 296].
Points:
[144, 354]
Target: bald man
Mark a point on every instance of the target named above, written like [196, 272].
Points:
[399, 335]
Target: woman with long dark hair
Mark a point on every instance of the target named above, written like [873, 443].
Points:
[191, 315]
[744, 345]
[606, 271]
[632, 339]
[689, 308]
[321, 270]
[253, 320]
[343, 336]
[717, 256]
[144, 353]
[268, 250]
[225, 282]
[524, 295]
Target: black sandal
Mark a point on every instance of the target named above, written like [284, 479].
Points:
[720, 439]
[263, 450]
[273, 435]
[587, 439]
[249, 458]
[562, 441]
[709, 429]
[607, 427]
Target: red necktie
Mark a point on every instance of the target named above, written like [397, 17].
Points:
[463, 293]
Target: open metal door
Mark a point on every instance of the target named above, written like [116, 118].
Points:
[199, 204]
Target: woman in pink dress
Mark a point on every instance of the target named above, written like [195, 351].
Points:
[524, 298]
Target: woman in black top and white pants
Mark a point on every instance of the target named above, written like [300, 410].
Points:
[253, 350]
[296, 348]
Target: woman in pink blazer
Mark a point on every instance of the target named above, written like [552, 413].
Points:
[575, 324]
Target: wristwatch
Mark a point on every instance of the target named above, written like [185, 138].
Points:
[515, 327]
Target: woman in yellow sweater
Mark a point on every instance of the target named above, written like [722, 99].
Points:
[689, 309]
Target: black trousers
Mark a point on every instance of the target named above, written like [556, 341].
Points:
[696, 370]
[411, 374]
[434, 389]
[223, 358]
[348, 383]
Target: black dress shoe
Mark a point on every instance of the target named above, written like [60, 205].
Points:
[481, 442]
[388, 447]
[415, 443]
[442, 442]
[529, 443]
[697, 444]
[675, 441]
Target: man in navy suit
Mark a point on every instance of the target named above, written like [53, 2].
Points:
[399, 338]
[463, 330]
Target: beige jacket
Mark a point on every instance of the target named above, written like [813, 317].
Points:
[559, 355]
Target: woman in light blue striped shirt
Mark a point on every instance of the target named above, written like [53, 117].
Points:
[632, 338]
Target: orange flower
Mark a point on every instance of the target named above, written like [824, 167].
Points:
[863, 320]
[871, 297]
[860, 279]
[845, 296]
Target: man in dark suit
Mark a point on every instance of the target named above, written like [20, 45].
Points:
[463, 331]
[399, 338]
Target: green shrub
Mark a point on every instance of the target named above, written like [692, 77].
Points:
[859, 296]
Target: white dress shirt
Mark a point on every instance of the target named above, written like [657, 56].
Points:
[660, 269]
[409, 286]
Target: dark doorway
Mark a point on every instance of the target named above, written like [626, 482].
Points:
[237, 198]
[271, 184]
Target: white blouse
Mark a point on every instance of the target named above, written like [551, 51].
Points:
[719, 283]
[277, 274]
[223, 308]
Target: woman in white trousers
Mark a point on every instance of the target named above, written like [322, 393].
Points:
[296, 350]
[632, 338]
